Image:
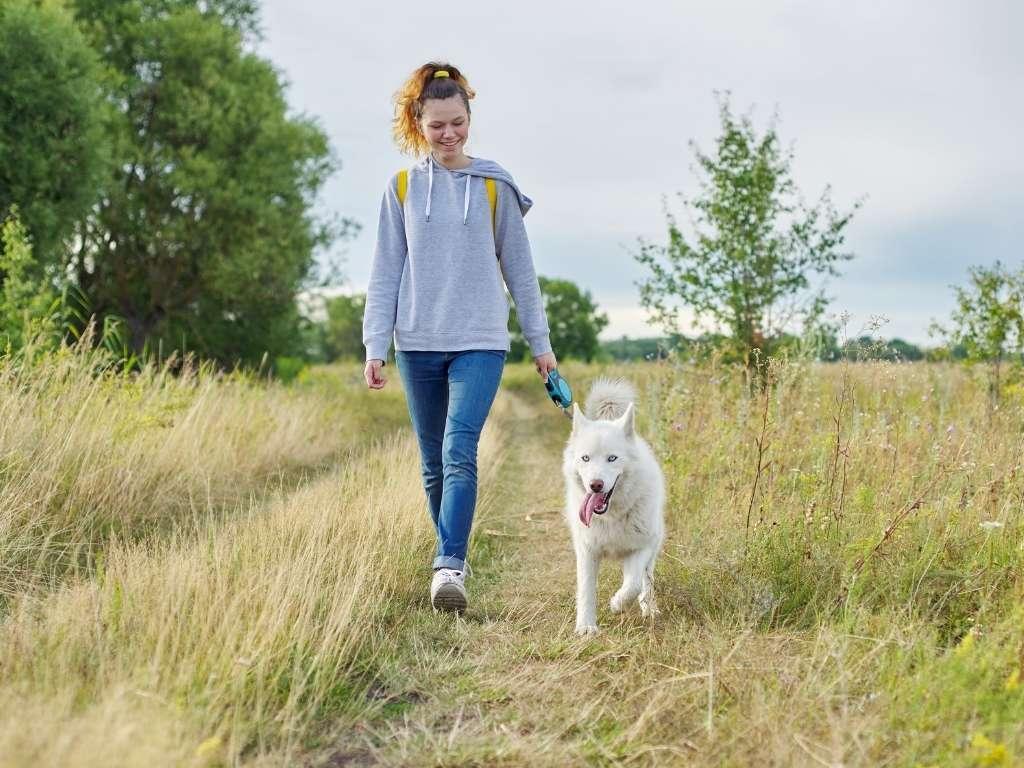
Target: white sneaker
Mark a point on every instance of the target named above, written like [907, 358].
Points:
[448, 590]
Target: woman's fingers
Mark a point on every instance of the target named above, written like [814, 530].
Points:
[545, 363]
[372, 374]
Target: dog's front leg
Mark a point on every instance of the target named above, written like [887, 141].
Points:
[648, 606]
[586, 592]
[632, 580]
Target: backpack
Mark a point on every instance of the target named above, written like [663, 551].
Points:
[492, 194]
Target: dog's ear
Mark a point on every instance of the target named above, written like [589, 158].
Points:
[578, 419]
[626, 420]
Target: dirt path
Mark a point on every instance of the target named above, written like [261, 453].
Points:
[508, 683]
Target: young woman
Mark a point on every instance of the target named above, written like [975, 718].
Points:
[437, 284]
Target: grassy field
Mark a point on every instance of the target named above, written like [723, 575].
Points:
[209, 571]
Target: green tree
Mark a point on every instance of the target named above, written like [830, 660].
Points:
[53, 150]
[205, 231]
[343, 328]
[754, 248]
[988, 321]
[28, 306]
[573, 320]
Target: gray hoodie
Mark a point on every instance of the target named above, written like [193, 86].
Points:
[437, 272]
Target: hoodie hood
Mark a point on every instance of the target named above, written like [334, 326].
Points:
[484, 169]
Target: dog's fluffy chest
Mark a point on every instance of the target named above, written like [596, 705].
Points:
[617, 533]
[619, 538]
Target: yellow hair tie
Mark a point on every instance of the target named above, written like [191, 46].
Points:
[441, 73]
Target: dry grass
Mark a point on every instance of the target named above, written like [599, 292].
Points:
[851, 625]
[87, 454]
[867, 615]
[246, 630]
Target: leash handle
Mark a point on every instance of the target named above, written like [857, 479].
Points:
[559, 391]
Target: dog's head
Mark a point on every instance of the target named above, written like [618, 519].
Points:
[601, 452]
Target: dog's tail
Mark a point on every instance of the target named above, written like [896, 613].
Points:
[608, 398]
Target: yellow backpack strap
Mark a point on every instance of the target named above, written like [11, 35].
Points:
[492, 198]
[403, 185]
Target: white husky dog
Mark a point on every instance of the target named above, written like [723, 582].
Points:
[614, 500]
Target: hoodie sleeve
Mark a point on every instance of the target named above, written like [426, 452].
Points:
[513, 250]
[385, 276]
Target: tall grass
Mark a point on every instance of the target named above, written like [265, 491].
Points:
[885, 537]
[914, 491]
[248, 636]
[243, 633]
[841, 583]
[867, 615]
[88, 453]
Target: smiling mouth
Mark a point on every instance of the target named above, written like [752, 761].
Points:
[595, 504]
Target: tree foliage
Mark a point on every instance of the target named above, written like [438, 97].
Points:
[53, 150]
[755, 246]
[343, 327]
[29, 309]
[988, 321]
[204, 232]
[573, 320]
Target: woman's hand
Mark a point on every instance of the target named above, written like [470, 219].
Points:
[545, 363]
[372, 373]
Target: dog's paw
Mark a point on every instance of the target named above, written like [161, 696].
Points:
[648, 609]
[586, 630]
[616, 603]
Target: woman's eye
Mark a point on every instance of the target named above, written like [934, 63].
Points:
[585, 457]
[613, 457]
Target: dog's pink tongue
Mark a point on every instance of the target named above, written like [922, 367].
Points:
[590, 502]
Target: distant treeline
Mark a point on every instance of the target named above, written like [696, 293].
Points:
[576, 321]
[860, 348]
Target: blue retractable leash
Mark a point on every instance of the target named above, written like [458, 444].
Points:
[559, 391]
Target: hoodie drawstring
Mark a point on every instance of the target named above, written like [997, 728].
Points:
[430, 184]
[430, 190]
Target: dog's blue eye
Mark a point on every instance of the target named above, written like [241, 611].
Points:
[585, 458]
[612, 457]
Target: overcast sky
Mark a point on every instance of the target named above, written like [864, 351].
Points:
[915, 106]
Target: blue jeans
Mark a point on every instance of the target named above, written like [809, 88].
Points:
[449, 396]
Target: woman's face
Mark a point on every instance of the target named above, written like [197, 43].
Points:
[445, 125]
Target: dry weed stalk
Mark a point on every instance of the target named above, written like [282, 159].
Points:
[761, 441]
[845, 395]
[898, 519]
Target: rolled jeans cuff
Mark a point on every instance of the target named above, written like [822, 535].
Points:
[449, 561]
